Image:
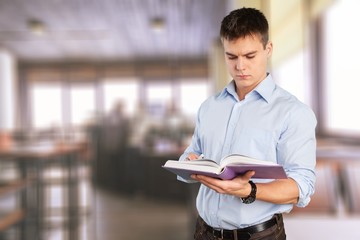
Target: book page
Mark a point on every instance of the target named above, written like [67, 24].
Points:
[203, 162]
[235, 159]
[202, 165]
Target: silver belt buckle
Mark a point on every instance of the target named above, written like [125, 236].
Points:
[221, 232]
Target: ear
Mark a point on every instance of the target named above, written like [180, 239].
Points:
[269, 48]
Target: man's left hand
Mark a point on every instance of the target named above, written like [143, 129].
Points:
[238, 186]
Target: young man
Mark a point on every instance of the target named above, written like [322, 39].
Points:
[252, 116]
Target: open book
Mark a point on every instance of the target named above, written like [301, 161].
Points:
[230, 167]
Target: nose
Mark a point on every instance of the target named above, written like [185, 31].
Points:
[240, 64]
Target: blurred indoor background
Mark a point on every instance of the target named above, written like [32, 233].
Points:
[95, 95]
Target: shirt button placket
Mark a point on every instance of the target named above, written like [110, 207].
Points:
[231, 129]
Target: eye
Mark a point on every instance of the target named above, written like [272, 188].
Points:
[232, 57]
[250, 57]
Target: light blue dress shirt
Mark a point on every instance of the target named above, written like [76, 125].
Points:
[269, 124]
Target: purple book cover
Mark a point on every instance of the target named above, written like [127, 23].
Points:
[231, 171]
[264, 172]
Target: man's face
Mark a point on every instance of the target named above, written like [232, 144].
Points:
[246, 60]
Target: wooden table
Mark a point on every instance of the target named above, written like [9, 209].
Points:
[31, 160]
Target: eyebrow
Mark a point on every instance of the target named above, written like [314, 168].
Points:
[247, 54]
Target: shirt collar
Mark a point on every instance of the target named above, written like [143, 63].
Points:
[229, 90]
[264, 89]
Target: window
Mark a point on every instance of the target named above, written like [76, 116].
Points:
[46, 100]
[192, 94]
[340, 59]
[57, 104]
[158, 98]
[82, 99]
[120, 90]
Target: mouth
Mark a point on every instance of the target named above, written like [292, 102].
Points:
[242, 76]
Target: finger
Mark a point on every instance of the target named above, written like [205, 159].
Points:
[213, 187]
[249, 174]
[192, 156]
[210, 182]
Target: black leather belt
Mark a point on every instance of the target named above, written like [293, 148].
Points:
[244, 233]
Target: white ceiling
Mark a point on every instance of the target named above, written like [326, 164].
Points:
[102, 30]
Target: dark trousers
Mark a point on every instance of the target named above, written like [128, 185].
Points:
[275, 232]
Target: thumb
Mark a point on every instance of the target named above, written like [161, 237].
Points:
[249, 174]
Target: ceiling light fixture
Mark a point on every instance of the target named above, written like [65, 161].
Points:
[37, 27]
[157, 24]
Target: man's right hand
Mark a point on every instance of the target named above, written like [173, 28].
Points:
[192, 156]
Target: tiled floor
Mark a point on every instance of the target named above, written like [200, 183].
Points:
[115, 216]
[134, 218]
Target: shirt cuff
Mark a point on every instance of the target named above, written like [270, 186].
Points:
[305, 186]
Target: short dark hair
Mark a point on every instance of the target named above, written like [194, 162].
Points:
[244, 22]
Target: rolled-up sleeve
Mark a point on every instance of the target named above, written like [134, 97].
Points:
[296, 151]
